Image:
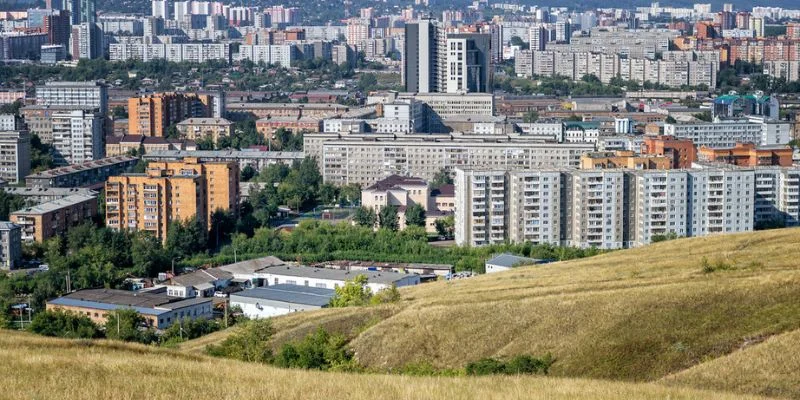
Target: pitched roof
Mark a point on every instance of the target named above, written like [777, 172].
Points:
[394, 181]
[201, 276]
[251, 266]
[446, 190]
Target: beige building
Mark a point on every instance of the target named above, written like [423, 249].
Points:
[624, 159]
[171, 191]
[403, 192]
[15, 156]
[200, 128]
[54, 218]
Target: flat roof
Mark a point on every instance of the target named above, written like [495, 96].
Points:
[383, 277]
[54, 205]
[52, 191]
[295, 294]
[510, 260]
[89, 165]
[234, 154]
[251, 266]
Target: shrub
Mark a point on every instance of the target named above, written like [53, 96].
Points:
[64, 324]
[319, 350]
[522, 364]
[249, 343]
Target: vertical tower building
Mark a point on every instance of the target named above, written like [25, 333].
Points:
[424, 67]
[161, 9]
[77, 136]
[469, 63]
[82, 11]
[86, 41]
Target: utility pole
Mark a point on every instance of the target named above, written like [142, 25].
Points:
[69, 283]
[225, 307]
[118, 331]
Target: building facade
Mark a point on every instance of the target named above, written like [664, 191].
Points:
[15, 156]
[55, 218]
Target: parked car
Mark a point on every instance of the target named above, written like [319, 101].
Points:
[221, 294]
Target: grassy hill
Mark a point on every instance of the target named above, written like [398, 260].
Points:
[634, 315]
[771, 368]
[41, 368]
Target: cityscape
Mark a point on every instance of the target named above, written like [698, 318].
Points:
[604, 194]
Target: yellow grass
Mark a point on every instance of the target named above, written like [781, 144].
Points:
[635, 315]
[770, 368]
[40, 368]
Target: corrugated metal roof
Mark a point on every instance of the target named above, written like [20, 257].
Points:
[295, 294]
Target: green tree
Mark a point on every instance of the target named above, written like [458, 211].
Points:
[441, 178]
[248, 172]
[319, 350]
[354, 292]
[147, 255]
[186, 238]
[445, 226]
[127, 325]
[531, 116]
[205, 143]
[64, 324]
[350, 194]
[119, 112]
[188, 329]
[365, 217]
[415, 215]
[9, 203]
[387, 218]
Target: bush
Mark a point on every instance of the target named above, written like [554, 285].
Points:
[522, 364]
[249, 343]
[319, 350]
[64, 324]
[188, 329]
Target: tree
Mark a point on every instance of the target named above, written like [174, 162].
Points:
[517, 41]
[9, 203]
[205, 143]
[64, 324]
[173, 132]
[387, 218]
[415, 215]
[365, 217]
[248, 172]
[350, 194]
[670, 120]
[186, 238]
[441, 178]
[119, 112]
[148, 255]
[126, 325]
[354, 292]
[445, 226]
[140, 167]
[531, 116]
[327, 193]
[188, 329]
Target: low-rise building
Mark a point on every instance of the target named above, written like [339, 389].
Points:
[38, 195]
[506, 261]
[54, 218]
[267, 126]
[281, 299]
[201, 128]
[200, 283]
[403, 192]
[682, 152]
[253, 158]
[89, 174]
[330, 278]
[623, 159]
[10, 245]
[748, 155]
[158, 309]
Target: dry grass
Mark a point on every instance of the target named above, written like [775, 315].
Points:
[771, 368]
[41, 368]
[636, 315]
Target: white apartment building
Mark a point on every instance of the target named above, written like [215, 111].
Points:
[620, 208]
[284, 55]
[173, 52]
[83, 94]
[15, 155]
[77, 136]
[535, 196]
[726, 133]
[368, 158]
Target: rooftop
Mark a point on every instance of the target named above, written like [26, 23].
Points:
[394, 181]
[237, 154]
[112, 299]
[296, 294]
[332, 274]
[5, 225]
[201, 276]
[251, 266]
[447, 190]
[510, 260]
[205, 121]
[55, 205]
[89, 165]
[53, 191]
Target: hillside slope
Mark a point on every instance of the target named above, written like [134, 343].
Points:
[637, 314]
[41, 368]
[771, 368]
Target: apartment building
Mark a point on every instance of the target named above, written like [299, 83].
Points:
[39, 119]
[367, 158]
[682, 152]
[173, 52]
[88, 174]
[149, 202]
[15, 156]
[623, 159]
[722, 134]
[257, 159]
[77, 136]
[620, 208]
[153, 114]
[201, 128]
[80, 94]
[10, 246]
[171, 191]
[55, 218]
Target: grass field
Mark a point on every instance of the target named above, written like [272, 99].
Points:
[633, 315]
[41, 368]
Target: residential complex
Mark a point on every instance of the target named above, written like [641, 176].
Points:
[253, 158]
[171, 191]
[10, 246]
[620, 208]
[77, 136]
[202, 128]
[152, 114]
[55, 218]
[80, 94]
[726, 133]
[89, 174]
[15, 156]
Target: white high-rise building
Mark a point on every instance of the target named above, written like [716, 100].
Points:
[535, 196]
[161, 9]
[77, 136]
[81, 94]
